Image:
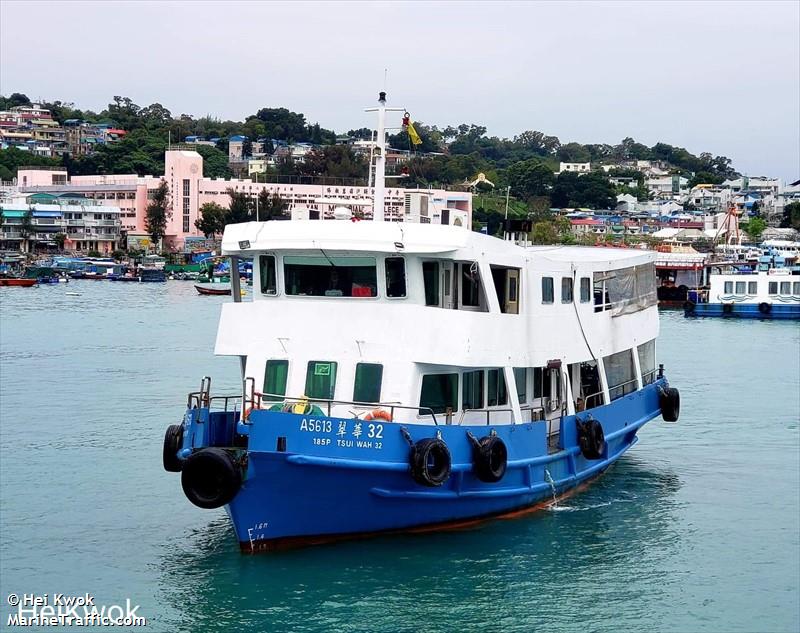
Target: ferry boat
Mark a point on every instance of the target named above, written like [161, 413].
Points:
[772, 291]
[416, 376]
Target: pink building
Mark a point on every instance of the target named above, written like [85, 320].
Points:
[189, 191]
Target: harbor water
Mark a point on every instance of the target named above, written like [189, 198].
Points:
[697, 528]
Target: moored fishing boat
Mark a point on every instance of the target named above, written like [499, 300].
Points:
[416, 375]
[17, 281]
[212, 290]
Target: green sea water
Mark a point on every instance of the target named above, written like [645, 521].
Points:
[697, 528]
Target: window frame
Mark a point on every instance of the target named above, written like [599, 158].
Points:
[260, 275]
[380, 382]
[587, 286]
[437, 286]
[423, 410]
[772, 288]
[571, 287]
[500, 393]
[552, 292]
[288, 294]
[463, 274]
[335, 366]
[386, 277]
[752, 287]
[277, 397]
[481, 392]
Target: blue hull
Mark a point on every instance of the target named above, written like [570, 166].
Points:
[341, 478]
[744, 311]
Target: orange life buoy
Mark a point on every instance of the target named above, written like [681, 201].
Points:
[378, 414]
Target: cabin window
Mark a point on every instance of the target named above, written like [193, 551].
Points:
[728, 288]
[796, 288]
[324, 276]
[538, 382]
[367, 387]
[786, 287]
[497, 387]
[566, 290]
[430, 275]
[506, 287]
[773, 287]
[752, 287]
[321, 379]
[269, 284]
[547, 290]
[620, 374]
[521, 380]
[276, 373]
[601, 301]
[472, 397]
[395, 277]
[470, 285]
[647, 361]
[439, 393]
[740, 286]
[586, 289]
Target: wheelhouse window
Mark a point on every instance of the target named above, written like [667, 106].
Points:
[566, 290]
[620, 374]
[728, 288]
[521, 380]
[470, 285]
[395, 277]
[497, 388]
[740, 287]
[752, 287]
[586, 290]
[430, 276]
[472, 397]
[773, 287]
[796, 288]
[276, 373]
[269, 284]
[321, 379]
[786, 287]
[647, 361]
[322, 276]
[506, 287]
[547, 290]
[538, 382]
[367, 387]
[439, 393]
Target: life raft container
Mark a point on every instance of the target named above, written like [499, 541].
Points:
[489, 458]
[430, 462]
[669, 399]
[210, 478]
[591, 438]
[173, 441]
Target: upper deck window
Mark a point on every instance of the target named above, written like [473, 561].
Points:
[586, 290]
[395, 276]
[740, 287]
[472, 398]
[796, 288]
[620, 374]
[566, 290]
[773, 287]
[470, 286]
[647, 361]
[269, 284]
[497, 387]
[786, 287]
[321, 276]
[547, 290]
[752, 287]
[728, 288]
[430, 275]
[626, 290]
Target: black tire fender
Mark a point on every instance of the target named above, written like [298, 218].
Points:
[430, 462]
[670, 402]
[727, 308]
[591, 438]
[490, 459]
[688, 307]
[210, 478]
[764, 307]
[173, 441]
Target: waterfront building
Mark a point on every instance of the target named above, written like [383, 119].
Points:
[87, 224]
[189, 191]
[580, 168]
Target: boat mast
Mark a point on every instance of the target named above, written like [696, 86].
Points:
[380, 161]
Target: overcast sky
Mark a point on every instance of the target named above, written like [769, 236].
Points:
[722, 77]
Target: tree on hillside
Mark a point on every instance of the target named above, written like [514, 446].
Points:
[573, 153]
[530, 178]
[592, 190]
[791, 216]
[212, 219]
[705, 178]
[158, 213]
[283, 124]
[754, 228]
[14, 100]
[333, 160]
[215, 162]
